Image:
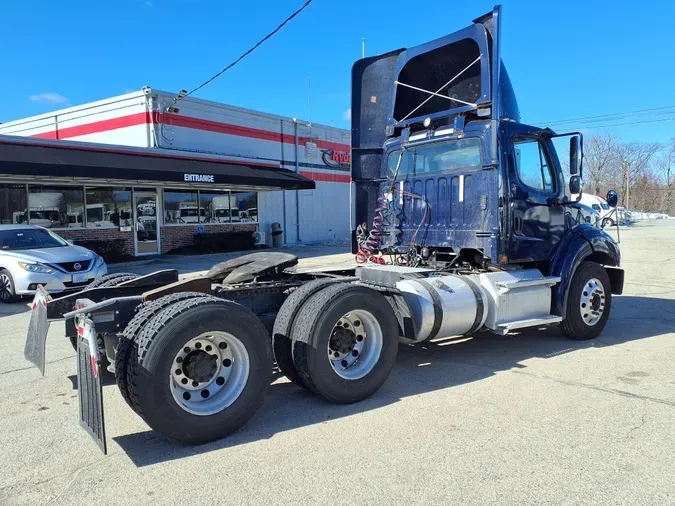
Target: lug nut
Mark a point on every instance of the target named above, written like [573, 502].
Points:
[198, 345]
[186, 349]
[186, 396]
[227, 362]
[179, 360]
[208, 348]
[359, 338]
[184, 381]
[220, 380]
[195, 384]
[357, 323]
[355, 353]
[205, 393]
[222, 345]
[344, 363]
[179, 372]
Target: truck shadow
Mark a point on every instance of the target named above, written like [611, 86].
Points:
[15, 307]
[442, 364]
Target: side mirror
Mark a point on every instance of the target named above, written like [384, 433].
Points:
[612, 198]
[575, 185]
[575, 155]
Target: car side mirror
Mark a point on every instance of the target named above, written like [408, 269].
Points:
[575, 184]
[612, 198]
[575, 155]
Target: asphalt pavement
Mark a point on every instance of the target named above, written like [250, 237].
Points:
[530, 418]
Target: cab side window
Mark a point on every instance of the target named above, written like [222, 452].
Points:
[532, 165]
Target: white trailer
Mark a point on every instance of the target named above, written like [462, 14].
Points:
[151, 118]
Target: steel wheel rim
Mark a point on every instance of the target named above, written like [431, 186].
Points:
[227, 377]
[5, 287]
[355, 344]
[592, 303]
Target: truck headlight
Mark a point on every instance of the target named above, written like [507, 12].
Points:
[99, 261]
[35, 267]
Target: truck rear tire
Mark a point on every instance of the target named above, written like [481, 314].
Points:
[111, 280]
[282, 344]
[345, 342]
[127, 341]
[589, 302]
[201, 369]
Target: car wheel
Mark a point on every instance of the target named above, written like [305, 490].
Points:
[7, 290]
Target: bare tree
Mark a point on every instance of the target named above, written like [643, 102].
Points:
[601, 159]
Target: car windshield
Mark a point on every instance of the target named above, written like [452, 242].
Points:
[29, 238]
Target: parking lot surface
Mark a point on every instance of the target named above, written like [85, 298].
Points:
[530, 418]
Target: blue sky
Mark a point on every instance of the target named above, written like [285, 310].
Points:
[566, 59]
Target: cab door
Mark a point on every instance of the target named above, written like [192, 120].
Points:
[535, 191]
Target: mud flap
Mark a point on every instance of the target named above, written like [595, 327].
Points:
[34, 351]
[89, 386]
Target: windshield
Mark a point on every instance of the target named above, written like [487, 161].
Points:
[45, 215]
[29, 238]
[436, 158]
[191, 212]
[95, 214]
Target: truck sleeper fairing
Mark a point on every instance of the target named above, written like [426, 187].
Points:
[466, 68]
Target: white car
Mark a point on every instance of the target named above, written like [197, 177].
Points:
[32, 256]
[600, 205]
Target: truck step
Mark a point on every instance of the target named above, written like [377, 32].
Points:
[514, 284]
[505, 328]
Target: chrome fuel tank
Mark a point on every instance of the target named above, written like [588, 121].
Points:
[444, 306]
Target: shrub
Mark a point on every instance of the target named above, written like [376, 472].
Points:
[111, 251]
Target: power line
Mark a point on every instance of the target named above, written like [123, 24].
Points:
[249, 51]
[628, 123]
[607, 116]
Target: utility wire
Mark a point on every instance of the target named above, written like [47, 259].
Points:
[629, 123]
[249, 51]
[607, 116]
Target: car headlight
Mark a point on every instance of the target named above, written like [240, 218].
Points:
[35, 267]
[99, 261]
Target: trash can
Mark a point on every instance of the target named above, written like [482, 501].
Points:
[277, 235]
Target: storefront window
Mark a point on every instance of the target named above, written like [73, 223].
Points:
[219, 207]
[56, 206]
[182, 207]
[247, 203]
[12, 203]
[108, 207]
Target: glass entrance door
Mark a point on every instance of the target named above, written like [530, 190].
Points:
[145, 205]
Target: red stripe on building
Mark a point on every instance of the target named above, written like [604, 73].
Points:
[326, 177]
[105, 125]
[143, 118]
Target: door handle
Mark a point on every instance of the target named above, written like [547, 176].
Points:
[517, 223]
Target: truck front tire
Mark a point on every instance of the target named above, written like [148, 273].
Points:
[345, 342]
[589, 301]
[201, 369]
